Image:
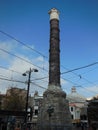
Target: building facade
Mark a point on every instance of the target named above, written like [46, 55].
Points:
[77, 106]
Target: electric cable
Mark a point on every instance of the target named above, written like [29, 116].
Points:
[10, 36]
[20, 82]
[10, 69]
[22, 43]
[80, 68]
[11, 80]
[21, 58]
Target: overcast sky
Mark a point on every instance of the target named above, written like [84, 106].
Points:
[24, 43]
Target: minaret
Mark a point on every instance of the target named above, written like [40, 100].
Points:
[54, 112]
[54, 57]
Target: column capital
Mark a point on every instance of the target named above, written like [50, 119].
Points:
[54, 14]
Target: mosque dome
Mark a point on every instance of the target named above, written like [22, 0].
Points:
[75, 97]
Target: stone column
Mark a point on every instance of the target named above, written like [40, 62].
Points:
[54, 52]
[54, 112]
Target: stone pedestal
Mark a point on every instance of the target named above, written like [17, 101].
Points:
[54, 113]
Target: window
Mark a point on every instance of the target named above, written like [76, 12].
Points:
[72, 116]
[36, 112]
[36, 102]
[71, 108]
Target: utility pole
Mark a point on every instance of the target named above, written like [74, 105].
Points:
[28, 88]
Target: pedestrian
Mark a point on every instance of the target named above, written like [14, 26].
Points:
[82, 126]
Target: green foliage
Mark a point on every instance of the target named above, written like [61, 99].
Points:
[14, 101]
[93, 109]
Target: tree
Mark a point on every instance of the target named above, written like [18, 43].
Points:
[93, 109]
[93, 112]
[15, 100]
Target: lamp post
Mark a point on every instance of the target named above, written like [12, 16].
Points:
[28, 88]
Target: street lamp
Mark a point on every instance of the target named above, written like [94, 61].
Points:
[28, 87]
